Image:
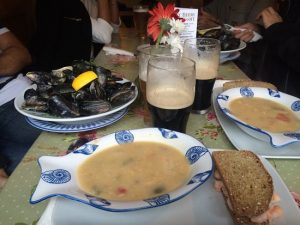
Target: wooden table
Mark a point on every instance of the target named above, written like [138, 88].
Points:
[15, 208]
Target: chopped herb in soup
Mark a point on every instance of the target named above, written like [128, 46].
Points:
[133, 171]
[265, 114]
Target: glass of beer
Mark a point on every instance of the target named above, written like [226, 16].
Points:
[144, 54]
[206, 53]
[170, 91]
[140, 19]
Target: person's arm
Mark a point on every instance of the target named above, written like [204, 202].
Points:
[283, 37]
[206, 20]
[14, 56]
[115, 17]
[103, 10]
[101, 26]
[257, 7]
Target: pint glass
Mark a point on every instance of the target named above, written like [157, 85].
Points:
[140, 18]
[206, 53]
[170, 91]
[144, 54]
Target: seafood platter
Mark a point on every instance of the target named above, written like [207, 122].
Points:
[76, 94]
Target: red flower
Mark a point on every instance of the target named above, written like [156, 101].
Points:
[158, 23]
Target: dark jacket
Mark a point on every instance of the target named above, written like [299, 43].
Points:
[282, 60]
[63, 34]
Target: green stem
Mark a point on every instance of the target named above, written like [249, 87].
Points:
[159, 37]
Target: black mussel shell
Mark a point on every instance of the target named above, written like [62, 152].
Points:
[32, 98]
[39, 77]
[59, 106]
[80, 66]
[226, 38]
[213, 33]
[122, 96]
[94, 107]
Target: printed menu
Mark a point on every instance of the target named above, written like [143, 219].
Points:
[191, 16]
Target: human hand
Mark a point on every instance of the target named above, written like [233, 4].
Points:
[206, 20]
[269, 17]
[245, 32]
[245, 35]
[248, 26]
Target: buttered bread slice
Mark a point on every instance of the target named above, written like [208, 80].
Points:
[248, 187]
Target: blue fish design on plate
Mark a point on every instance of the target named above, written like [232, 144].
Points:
[276, 140]
[61, 170]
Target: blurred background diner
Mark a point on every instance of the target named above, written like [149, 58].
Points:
[16, 135]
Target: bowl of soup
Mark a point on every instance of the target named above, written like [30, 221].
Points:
[127, 170]
[263, 113]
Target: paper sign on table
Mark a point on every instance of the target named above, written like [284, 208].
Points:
[191, 17]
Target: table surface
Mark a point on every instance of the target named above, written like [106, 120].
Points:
[15, 208]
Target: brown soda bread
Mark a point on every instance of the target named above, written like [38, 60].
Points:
[247, 83]
[249, 186]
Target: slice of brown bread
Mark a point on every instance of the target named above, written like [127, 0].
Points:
[247, 83]
[240, 220]
[247, 182]
[246, 221]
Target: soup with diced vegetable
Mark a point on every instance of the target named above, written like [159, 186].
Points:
[133, 171]
[265, 114]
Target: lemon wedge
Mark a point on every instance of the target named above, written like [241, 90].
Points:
[83, 79]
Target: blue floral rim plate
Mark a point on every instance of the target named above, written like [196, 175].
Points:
[277, 140]
[58, 173]
[70, 128]
[19, 101]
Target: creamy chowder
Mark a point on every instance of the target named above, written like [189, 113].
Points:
[133, 171]
[265, 114]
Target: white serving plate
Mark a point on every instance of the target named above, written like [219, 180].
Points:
[275, 139]
[19, 101]
[204, 206]
[228, 57]
[241, 47]
[242, 140]
[58, 173]
[70, 128]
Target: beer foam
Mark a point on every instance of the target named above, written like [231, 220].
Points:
[140, 10]
[170, 98]
[206, 70]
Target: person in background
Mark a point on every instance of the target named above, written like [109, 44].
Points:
[63, 34]
[242, 14]
[65, 30]
[282, 36]
[105, 20]
[16, 135]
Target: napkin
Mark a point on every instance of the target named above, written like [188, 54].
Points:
[256, 37]
[116, 51]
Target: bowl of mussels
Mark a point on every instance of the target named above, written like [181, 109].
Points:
[52, 97]
[229, 44]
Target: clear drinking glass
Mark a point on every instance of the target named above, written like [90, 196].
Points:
[206, 53]
[170, 91]
[140, 19]
[144, 54]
